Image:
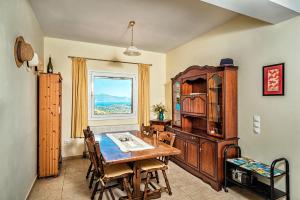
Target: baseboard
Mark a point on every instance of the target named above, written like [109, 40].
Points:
[32, 184]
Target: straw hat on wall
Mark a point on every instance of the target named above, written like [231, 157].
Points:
[22, 51]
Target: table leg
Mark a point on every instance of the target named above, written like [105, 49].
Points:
[137, 180]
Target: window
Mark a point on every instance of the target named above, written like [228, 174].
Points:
[112, 95]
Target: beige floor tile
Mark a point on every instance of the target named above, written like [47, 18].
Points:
[71, 184]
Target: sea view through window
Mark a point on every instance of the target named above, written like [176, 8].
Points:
[111, 96]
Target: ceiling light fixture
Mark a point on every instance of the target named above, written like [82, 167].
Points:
[132, 50]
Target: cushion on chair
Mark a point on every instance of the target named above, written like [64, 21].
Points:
[116, 170]
[151, 164]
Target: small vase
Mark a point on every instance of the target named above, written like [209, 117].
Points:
[161, 116]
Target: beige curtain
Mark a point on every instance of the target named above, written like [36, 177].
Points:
[79, 97]
[143, 87]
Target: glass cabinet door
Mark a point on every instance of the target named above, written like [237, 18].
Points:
[176, 104]
[215, 105]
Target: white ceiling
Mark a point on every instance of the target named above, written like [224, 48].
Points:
[291, 4]
[161, 25]
[272, 11]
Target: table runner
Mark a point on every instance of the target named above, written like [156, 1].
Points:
[128, 142]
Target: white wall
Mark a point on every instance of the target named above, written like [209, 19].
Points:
[60, 49]
[253, 44]
[18, 101]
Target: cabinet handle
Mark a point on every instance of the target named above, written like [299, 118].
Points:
[200, 149]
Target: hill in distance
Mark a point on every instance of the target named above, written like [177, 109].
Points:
[110, 98]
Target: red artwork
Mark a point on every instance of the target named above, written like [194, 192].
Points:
[273, 80]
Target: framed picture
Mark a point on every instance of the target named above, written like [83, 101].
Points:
[273, 80]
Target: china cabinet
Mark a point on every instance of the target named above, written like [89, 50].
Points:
[204, 119]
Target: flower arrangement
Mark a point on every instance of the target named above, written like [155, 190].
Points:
[159, 109]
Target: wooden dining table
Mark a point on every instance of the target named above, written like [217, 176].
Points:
[112, 154]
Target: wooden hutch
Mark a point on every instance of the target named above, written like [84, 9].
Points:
[204, 119]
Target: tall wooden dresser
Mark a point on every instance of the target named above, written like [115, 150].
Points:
[49, 114]
[204, 119]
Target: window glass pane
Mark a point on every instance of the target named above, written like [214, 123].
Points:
[112, 95]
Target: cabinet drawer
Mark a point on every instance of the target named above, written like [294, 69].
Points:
[191, 138]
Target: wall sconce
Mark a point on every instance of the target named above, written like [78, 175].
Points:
[33, 63]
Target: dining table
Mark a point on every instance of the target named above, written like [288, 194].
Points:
[112, 155]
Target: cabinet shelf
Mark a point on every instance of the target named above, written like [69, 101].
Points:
[261, 189]
[220, 120]
[189, 114]
[194, 95]
[215, 103]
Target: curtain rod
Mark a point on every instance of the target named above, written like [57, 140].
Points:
[115, 61]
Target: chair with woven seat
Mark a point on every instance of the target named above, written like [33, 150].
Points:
[87, 133]
[107, 174]
[158, 164]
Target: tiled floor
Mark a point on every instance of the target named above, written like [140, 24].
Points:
[71, 184]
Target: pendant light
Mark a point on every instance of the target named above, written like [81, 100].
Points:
[132, 50]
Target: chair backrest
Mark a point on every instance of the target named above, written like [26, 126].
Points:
[148, 130]
[167, 138]
[95, 156]
[99, 156]
[87, 132]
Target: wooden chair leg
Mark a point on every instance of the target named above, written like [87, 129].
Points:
[95, 190]
[111, 194]
[167, 182]
[156, 177]
[121, 184]
[101, 190]
[146, 186]
[92, 180]
[89, 171]
[131, 180]
[126, 187]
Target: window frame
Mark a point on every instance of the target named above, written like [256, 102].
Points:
[92, 74]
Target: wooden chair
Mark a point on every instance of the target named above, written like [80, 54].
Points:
[161, 163]
[148, 130]
[107, 174]
[87, 133]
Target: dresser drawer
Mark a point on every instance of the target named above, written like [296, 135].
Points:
[191, 138]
